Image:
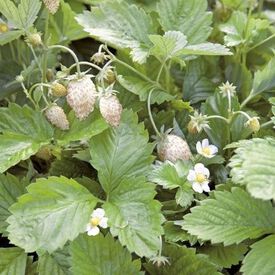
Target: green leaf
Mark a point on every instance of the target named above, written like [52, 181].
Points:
[22, 16]
[58, 263]
[230, 218]
[81, 130]
[9, 36]
[134, 216]
[101, 256]
[253, 166]
[174, 176]
[63, 25]
[169, 45]
[206, 48]
[183, 260]
[260, 260]
[264, 80]
[142, 88]
[198, 83]
[120, 26]
[234, 29]
[10, 189]
[121, 152]
[225, 256]
[24, 132]
[13, 261]
[188, 16]
[14, 148]
[61, 202]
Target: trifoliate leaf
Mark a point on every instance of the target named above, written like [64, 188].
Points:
[134, 216]
[230, 218]
[121, 152]
[260, 260]
[12, 261]
[174, 176]
[188, 16]
[57, 263]
[22, 16]
[142, 88]
[183, 260]
[101, 255]
[253, 166]
[121, 26]
[225, 256]
[53, 211]
[10, 190]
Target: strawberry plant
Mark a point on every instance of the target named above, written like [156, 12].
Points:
[136, 137]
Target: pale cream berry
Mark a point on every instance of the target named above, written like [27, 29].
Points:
[57, 117]
[52, 5]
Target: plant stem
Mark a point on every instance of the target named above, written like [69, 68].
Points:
[28, 95]
[242, 113]
[246, 101]
[72, 54]
[150, 113]
[260, 6]
[160, 70]
[85, 63]
[36, 59]
[267, 124]
[219, 117]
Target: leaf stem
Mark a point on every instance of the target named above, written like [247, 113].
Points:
[150, 113]
[219, 117]
[85, 63]
[261, 42]
[72, 54]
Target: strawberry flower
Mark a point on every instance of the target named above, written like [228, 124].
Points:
[206, 150]
[97, 219]
[199, 177]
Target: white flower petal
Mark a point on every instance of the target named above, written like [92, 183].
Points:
[213, 149]
[205, 143]
[191, 175]
[205, 187]
[206, 172]
[88, 227]
[199, 168]
[199, 148]
[103, 222]
[98, 213]
[93, 231]
[197, 187]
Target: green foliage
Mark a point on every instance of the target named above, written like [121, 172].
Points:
[10, 190]
[121, 152]
[183, 260]
[253, 166]
[13, 261]
[230, 218]
[225, 256]
[134, 216]
[121, 26]
[260, 259]
[22, 16]
[101, 256]
[24, 131]
[58, 201]
[188, 16]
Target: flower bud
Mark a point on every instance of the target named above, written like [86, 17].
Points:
[19, 78]
[253, 124]
[34, 39]
[191, 127]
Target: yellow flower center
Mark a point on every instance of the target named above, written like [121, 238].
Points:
[3, 27]
[206, 151]
[95, 221]
[200, 178]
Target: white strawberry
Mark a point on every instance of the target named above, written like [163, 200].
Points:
[52, 5]
[111, 109]
[173, 148]
[57, 117]
[82, 96]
